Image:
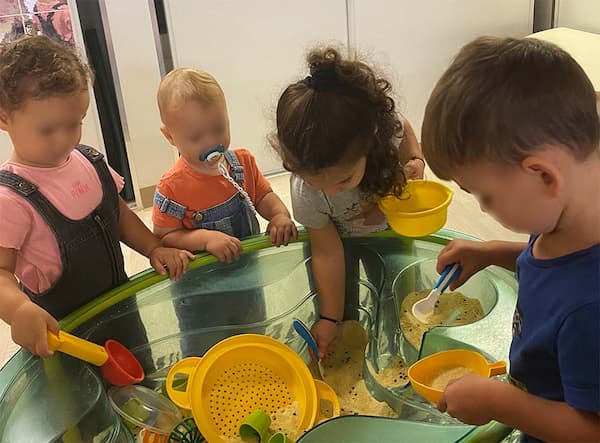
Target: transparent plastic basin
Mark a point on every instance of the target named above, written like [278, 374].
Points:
[59, 399]
[163, 321]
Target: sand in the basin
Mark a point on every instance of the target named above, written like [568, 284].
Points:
[453, 306]
[393, 376]
[441, 379]
[343, 371]
[285, 419]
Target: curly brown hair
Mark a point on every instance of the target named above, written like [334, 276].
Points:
[343, 111]
[35, 67]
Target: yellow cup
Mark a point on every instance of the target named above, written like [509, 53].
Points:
[424, 371]
[421, 210]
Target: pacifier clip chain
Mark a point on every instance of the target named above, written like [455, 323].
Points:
[225, 173]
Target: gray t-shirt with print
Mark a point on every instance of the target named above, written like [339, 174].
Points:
[350, 211]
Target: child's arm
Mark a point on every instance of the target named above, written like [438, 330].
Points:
[28, 322]
[137, 236]
[329, 272]
[281, 228]
[411, 153]
[222, 246]
[474, 256]
[477, 400]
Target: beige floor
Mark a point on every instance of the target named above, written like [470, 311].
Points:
[464, 216]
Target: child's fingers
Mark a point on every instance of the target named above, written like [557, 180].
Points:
[441, 404]
[188, 254]
[294, 232]
[175, 269]
[41, 344]
[448, 255]
[273, 235]
[287, 233]
[235, 251]
[280, 236]
[227, 254]
[322, 346]
[53, 326]
[158, 266]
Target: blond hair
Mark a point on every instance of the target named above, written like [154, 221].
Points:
[182, 85]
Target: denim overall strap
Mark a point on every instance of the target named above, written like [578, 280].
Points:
[236, 168]
[92, 262]
[171, 207]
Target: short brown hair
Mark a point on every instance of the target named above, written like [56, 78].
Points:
[183, 84]
[341, 112]
[36, 68]
[501, 99]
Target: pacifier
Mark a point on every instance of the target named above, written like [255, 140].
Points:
[212, 154]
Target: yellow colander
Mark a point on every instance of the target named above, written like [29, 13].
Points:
[242, 374]
[421, 209]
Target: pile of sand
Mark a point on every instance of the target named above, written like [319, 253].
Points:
[343, 371]
[451, 309]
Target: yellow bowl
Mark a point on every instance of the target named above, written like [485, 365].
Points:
[422, 373]
[421, 210]
[244, 373]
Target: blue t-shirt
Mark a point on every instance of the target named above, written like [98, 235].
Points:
[555, 351]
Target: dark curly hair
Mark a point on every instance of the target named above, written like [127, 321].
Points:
[340, 113]
[37, 67]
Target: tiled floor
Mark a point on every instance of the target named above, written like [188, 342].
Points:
[464, 216]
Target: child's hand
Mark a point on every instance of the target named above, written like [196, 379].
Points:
[414, 169]
[325, 333]
[468, 399]
[175, 260]
[472, 257]
[29, 328]
[281, 229]
[223, 246]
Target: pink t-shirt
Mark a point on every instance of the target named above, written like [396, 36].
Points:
[61, 18]
[74, 188]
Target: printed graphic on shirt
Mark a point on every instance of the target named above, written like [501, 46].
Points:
[79, 189]
[516, 324]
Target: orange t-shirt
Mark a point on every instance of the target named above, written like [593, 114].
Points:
[198, 192]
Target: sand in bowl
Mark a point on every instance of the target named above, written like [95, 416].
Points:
[451, 309]
[285, 420]
[343, 371]
[443, 377]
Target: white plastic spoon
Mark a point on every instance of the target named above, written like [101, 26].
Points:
[424, 308]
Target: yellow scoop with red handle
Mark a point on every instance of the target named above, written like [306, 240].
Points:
[117, 364]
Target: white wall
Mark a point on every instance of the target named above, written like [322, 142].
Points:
[131, 36]
[415, 41]
[254, 49]
[578, 14]
[5, 146]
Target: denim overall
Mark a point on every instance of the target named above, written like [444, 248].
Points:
[233, 217]
[92, 262]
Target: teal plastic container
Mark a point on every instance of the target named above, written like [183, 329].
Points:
[162, 321]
